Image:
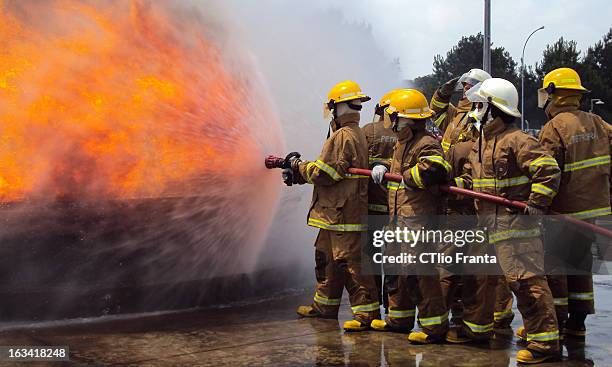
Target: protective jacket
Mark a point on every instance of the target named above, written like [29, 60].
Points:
[380, 151]
[457, 157]
[418, 158]
[581, 143]
[515, 166]
[448, 116]
[340, 199]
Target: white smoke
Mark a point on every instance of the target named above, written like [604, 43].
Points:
[302, 50]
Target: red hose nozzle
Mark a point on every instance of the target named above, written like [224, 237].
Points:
[274, 162]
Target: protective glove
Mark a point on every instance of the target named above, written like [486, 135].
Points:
[287, 176]
[448, 88]
[435, 175]
[533, 210]
[378, 173]
[289, 170]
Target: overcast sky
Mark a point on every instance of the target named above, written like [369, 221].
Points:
[416, 30]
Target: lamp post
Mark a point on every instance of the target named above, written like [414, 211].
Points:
[523, 79]
[486, 45]
[595, 101]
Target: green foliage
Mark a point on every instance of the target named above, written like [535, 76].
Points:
[466, 55]
[595, 69]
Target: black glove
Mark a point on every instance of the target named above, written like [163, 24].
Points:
[288, 168]
[447, 89]
[534, 210]
[289, 158]
[435, 175]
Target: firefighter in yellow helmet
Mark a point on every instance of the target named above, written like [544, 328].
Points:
[339, 208]
[508, 162]
[418, 158]
[581, 143]
[380, 150]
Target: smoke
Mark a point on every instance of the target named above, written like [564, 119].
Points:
[302, 49]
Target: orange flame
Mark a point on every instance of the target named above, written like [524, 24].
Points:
[114, 100]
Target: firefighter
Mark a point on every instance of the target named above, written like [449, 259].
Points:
[450, 120]
[461, 126]
[507, 162]
[581, 143]
[339, 208]
[418, 158]
[380, 150]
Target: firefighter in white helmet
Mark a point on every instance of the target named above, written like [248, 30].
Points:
[507, 162]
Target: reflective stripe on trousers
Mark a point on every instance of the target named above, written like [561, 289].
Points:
[401, 314]
[337, 227]
[583, 296]
[435, 320]
[476, 328]
[498, 316]
[544, 337]
[366, 308]
[326, 301]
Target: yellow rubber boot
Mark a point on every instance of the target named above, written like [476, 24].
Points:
[309, 311]
[531, 357]
[380, 325]
[456, 335]
[354, 325]
[419, 337]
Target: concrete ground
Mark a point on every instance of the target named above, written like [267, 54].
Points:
[269, 333]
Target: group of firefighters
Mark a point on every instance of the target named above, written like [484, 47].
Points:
[566, 170]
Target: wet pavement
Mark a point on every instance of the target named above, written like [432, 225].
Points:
[269, 333]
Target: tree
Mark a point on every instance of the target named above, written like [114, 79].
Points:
[466, 55]
[560, 54]
[597, 75]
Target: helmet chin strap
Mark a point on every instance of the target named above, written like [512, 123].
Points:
[483, 122]
[354, 106]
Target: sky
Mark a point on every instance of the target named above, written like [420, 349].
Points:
[416, 30]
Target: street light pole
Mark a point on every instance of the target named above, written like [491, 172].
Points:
[595, 101]
[523, 79]
[486, 45]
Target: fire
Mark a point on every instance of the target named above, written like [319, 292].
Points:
[118, 99]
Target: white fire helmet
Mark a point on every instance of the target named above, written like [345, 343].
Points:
[499, 92]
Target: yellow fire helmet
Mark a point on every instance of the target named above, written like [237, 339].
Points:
[409, 103]
[347, 90]
[562, 78]
[386, 99]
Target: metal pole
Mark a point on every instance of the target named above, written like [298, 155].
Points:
[523, 79]
[486, 45]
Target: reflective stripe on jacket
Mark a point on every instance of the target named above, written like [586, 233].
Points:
[380, 151]
[447, 115]
[413, 157]
[515, 166]
[581, 143]
[339, 200]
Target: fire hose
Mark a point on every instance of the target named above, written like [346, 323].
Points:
[275, 162]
